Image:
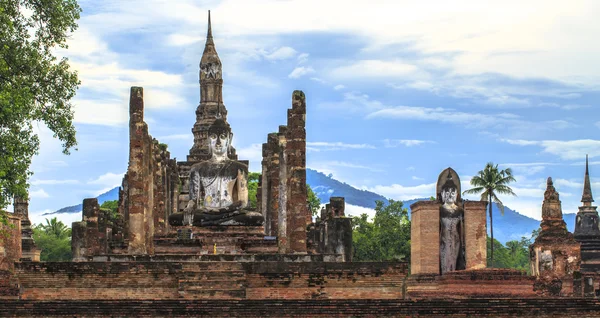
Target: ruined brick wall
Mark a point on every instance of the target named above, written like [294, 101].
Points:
[29, 249]
[555, 256]
[10, 242]
[332, 233]
[150, 186]
[425, 237]
[475, 234]
[211, 280]
[480, 283]
[298, 213]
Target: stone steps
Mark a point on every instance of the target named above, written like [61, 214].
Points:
[544, 307]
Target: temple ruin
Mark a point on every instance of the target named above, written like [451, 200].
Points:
[185, 242]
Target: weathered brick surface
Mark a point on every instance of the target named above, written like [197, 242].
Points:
[481, 283]
[425, 237]
[10, 244]
[475, 234]
[529, 308]
[227, 279]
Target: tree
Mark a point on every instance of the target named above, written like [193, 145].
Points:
[314, 203]
[54, 239]
[253, 178]
[387, 237]
[34, 85]
[489, 182]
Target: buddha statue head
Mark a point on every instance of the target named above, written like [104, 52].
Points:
[448, 187]
[219, 139]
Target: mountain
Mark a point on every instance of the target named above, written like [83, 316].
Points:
[510, 226]
[325, 187]
[507, 227]
[110, 195]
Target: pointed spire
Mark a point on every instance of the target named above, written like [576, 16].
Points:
[209, 32]
[587, 198]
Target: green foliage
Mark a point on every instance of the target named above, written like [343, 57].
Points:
[387, 237]
[163, 146]
[314, 203]
[489, 182]
[34, 85]
[112, 206]
[514, 255]
[54, 239]
[253, 178]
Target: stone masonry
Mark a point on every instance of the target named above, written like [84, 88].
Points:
[555, 255]
[30, 251]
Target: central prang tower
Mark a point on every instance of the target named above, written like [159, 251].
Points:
[211, 100]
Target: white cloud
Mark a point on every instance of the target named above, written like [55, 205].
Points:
[53, 182]
[281, 53]
[374, 68]
[417, 178]
[355, 210]
[391, 143]
[301, 71]
[330, 146]
[465, 119]
[38, 194]
[253, 153]
[339, 87]
[108, 179]
[327, 166]
[400, 192]
[568, 150]
[302, 58]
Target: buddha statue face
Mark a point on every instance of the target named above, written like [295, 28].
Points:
[449, 195]
[219, 139]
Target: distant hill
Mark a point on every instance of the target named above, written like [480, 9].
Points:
[112, 194]
[507, 227]
[325, 187]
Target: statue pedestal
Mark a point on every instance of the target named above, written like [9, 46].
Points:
[483, 283]
[201, 240]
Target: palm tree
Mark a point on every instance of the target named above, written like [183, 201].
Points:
[56, 228]
[489, 182]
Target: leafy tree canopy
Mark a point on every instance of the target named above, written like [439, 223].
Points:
[313, 201]
[386, 237]
[54, 239]
[35, 86]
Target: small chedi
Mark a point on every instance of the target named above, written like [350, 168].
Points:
[587, 228]
[555, 255]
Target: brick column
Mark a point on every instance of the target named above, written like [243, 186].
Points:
[282, 193]
[475, 234]
[425, 238]
[298, 214]
[138, 173]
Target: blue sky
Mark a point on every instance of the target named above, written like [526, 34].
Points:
[396, 90]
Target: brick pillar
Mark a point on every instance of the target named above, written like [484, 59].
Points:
[298, 214]
[272, 185]
[263, 203]
[91, 209]
[425, 238]
[78, 244]
[475, 234]
[137, 171]
[10, 245]
[282, 193]
[149, 186]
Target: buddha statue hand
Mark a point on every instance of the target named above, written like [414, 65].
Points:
[188, 213]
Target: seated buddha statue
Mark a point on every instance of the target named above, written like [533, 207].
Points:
[218, 193]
